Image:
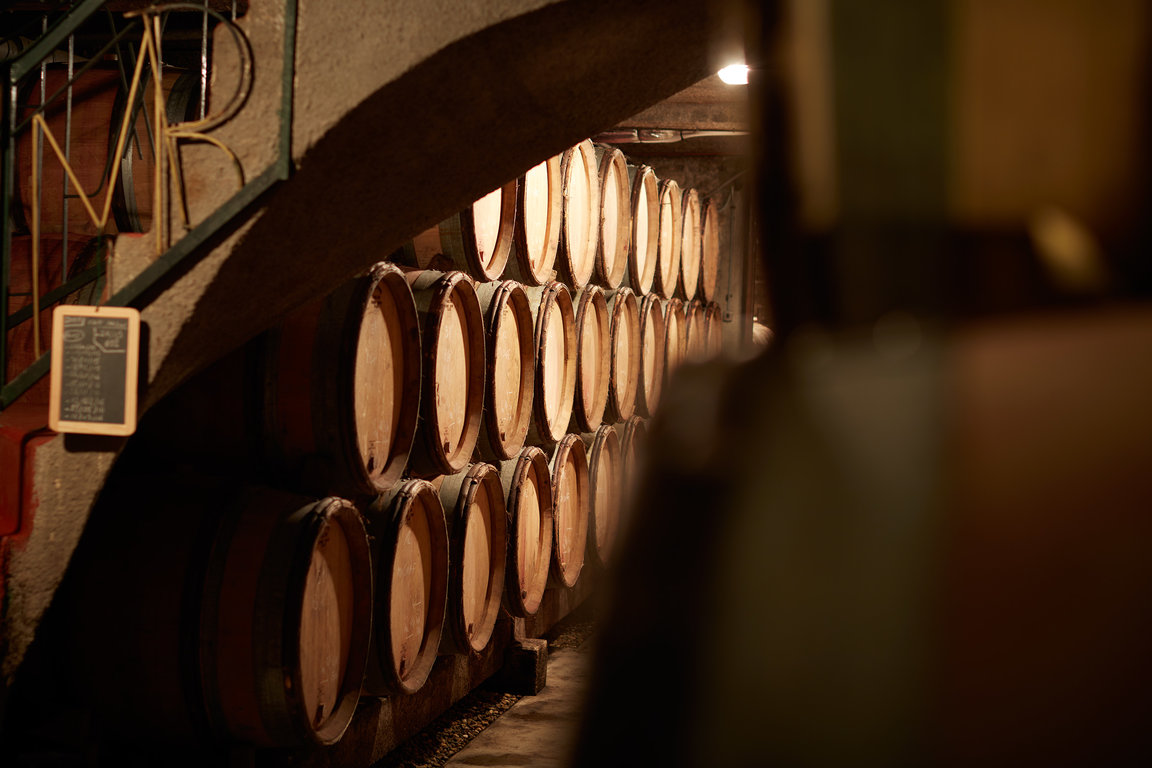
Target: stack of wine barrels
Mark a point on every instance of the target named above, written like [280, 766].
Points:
[476, 407]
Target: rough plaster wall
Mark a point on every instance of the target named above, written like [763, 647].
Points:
[434, 106]
[348, 50]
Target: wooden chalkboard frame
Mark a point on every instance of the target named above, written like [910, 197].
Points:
[131, 371]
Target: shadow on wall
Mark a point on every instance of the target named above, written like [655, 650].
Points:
[469, 118]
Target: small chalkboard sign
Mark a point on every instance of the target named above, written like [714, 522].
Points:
[95, 364]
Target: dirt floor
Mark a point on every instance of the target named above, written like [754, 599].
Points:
[449, 733]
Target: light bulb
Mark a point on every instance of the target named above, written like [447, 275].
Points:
[734, 74]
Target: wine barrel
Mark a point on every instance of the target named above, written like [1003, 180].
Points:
[615, 216]
[580, 223]
[713, 329]
[555, 340]
[625, 376]
[709, 250]
[476, 240]
[690, 245]
[337, 386]
[410, 552]
[536, 235]
[633, 448]
[452, 332]
[97, 113]
[652, 343]
[571, 504]
[645, 206]
[696, 335]
[286, 618]
[527, 484]
[510, 374]
[593, 358]
[674, 336]
[202, 610]
[605, 468]
[478, 542]
[669, 242]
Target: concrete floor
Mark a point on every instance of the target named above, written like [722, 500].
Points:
[537, 731]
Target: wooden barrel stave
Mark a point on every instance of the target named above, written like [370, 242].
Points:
[674, 336]
[593, 358]
[580, 222]
[510, 350]
[669, 241]
[527, 484]
[570, 509]
[555, 379]
[410, 555]
[625, 375]
[652, 346]
[714, 329]
[615, 216]
[689, 283]
[709, 250]
[473, 501]
[696, 337]
[452, 343]
[633, 448]
[536, 235]
[605, 471]
[645, 229]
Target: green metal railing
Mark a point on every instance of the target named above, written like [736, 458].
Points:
[183, 253]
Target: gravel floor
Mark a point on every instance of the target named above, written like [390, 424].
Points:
[449, 733]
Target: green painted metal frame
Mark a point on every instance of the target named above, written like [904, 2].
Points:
[183, 254]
